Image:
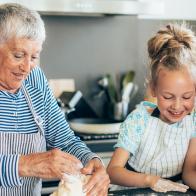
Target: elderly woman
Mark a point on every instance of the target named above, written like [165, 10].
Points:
[30, 121]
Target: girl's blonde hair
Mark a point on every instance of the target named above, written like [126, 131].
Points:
[174, 48]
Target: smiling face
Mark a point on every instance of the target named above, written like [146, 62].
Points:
[17, 58]
[175, 92]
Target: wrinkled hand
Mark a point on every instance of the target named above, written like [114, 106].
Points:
[164, 186]
[47, 165]
[99, 181]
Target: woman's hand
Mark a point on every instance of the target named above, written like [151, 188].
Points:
[47, 165]
[162, 185]
[99, 181]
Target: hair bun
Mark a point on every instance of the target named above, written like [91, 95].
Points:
[169, 39]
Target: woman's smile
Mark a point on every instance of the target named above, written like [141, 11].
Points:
[19, 76]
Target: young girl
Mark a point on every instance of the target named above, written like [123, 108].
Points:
[154, 139]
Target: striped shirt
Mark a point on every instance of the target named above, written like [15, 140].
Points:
[16, 117]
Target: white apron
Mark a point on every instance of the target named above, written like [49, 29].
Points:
[19, 143]
[163, 148]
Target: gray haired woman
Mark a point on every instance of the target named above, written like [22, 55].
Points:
[36, 142]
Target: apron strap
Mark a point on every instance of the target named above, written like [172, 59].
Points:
[37, 118]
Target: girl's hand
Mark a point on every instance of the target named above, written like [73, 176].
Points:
[99, 181]
[164, 186]
[47, 165]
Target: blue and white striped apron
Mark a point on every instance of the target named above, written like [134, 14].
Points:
[19, 143]
[163, 148]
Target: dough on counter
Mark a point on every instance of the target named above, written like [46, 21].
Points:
[72, 187]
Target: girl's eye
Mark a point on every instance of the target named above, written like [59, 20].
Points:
[187, 97]
[167, 97]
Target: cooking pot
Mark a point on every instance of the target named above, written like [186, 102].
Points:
[95, 125]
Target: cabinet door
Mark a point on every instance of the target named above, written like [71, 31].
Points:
[174, 10]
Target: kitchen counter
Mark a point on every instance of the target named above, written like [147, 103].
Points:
[148, 192]
[145, 192]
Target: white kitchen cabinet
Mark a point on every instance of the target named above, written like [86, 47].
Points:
[174, 10]
[91, 7]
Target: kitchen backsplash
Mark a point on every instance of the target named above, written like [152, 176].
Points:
[86, 48]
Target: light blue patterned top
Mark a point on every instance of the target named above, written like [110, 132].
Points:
[133, 128]
[156, 147]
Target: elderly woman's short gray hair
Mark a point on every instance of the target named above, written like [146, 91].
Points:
[17, 21]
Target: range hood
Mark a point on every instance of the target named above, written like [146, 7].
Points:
[92, 7]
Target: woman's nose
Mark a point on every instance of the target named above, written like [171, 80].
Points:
[26, 65]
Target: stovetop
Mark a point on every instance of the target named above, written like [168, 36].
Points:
[87, 136]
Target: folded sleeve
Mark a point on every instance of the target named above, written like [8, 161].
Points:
[9, 176]
[132, 129]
